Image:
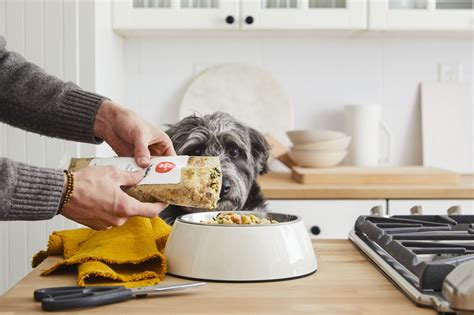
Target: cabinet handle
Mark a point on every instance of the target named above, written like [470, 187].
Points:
[315, 230]
[230, 19]
[249, 19]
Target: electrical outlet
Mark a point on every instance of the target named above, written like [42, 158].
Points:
[450, 72]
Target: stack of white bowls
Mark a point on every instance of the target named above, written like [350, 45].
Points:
[318, 148]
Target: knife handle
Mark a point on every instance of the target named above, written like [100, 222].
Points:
[86, 299]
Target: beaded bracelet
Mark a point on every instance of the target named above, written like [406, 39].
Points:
[69, 189]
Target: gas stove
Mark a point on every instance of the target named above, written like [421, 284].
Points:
[429, 257]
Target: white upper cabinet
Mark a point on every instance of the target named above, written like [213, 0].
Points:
[152, 15]
[421, 15]
[304, 14]
[141, 16]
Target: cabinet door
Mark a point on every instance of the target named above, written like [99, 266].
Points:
[149, 15]
[429, 206]
[304, 14]
[436, 15]
[333, 218]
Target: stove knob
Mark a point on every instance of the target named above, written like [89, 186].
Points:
[315, 230]
[377, 211]
[458, 288]
[249, 19]
[454, 210]
[416, 210]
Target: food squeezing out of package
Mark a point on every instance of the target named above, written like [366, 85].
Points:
[189, 181]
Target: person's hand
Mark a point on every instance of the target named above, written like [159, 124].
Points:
[130, 135]
[98, 201]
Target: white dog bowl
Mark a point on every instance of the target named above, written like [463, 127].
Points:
[337, 144]
[243, 253]
[313, 135]
[317, 158]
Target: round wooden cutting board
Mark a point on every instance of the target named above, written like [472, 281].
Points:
[249, 93]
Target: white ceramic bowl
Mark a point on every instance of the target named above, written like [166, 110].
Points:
[338, 144]
[260, 252]
[317, 158]
[313, 135]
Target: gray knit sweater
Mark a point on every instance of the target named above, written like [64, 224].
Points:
[32, 100]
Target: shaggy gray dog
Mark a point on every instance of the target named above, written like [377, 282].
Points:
[243, 153]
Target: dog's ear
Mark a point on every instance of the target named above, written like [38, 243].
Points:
[260, 150]
[180, 131]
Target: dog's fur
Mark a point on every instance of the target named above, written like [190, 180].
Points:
[243, 154]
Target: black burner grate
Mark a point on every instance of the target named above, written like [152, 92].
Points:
[429, 247]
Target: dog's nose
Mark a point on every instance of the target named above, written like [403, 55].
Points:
[225, 187]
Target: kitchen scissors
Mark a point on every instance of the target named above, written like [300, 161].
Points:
[61, 298]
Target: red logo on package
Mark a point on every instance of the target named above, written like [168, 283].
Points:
[164, 167]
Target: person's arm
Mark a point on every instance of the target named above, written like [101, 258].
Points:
[29, 192]
[35, 193]
[35, 101]
[32, 100]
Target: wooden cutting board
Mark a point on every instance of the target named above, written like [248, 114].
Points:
[249, 93]
[447, 126]
[408, 175]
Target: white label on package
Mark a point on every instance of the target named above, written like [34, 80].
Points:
[162, 169]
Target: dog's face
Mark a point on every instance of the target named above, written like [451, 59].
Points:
[243, 152]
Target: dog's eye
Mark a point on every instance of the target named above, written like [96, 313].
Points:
[196, 152]
[233, 152]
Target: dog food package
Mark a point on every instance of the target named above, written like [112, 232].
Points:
[189, 181]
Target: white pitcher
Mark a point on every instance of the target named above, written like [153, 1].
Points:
[364, 124]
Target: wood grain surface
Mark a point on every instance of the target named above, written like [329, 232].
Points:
[407, 175]
[345, 283]
[282, 186]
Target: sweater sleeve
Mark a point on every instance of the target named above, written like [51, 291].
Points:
[29, 192]
[32, 100]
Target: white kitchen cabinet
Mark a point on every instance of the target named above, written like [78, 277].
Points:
[429, 206]
[421, 15]
[304, 15]
[142, 16]
[333, 218]
[132, 16]
[149, 15]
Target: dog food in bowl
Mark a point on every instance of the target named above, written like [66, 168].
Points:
[239, 252]
[229, 217]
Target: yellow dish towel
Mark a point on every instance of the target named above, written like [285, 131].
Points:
[130, 255]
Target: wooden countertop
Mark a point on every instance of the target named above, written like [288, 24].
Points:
[345, 283]
[281, 186]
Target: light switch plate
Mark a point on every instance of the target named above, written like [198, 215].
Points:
[450, 72]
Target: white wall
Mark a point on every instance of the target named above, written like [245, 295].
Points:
[321, 73]
[35, 29]
[109, 61]
[58, 35]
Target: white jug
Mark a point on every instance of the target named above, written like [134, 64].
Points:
[364, 124]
